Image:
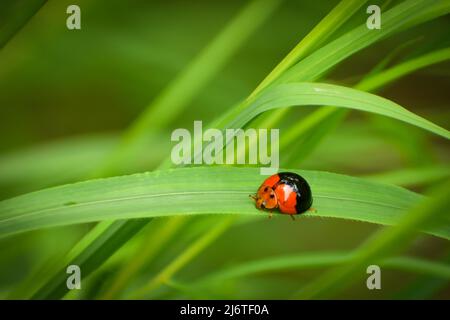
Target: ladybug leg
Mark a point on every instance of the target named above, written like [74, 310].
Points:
[312, 210]
[270, 214]
[292, 216]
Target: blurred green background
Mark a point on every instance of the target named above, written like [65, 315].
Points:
[66, 96]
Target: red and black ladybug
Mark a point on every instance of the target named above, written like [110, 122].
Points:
[285, 191]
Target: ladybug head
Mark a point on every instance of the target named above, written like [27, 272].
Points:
[266, 198]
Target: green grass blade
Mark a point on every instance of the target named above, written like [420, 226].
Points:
[294, 94]
[429, 211]
[338, 16]
[177, 95]
[412, 176]
[68, 160]
[308, 133]
[378, 105]
[199, 191]
[419, 266]
[190, 253]
[423, 288]
[404, 68]
[321, 32]
[150, 246]
[184, 87]
[91, 258]
[420, 16]
[44, 273]
[51, 162]
[406, 14]
[204, 66]
[320, 260]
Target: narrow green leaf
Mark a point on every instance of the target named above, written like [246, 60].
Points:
[177, 95]
[425, 287]
[418, 15]
[88, 259]
[55, 162]
[428, 212]
[310, 131]
[321, 32]
[184, 87]
[149, 247]
[218, 190]
[404, 68]
[412, 176]
[406, 14]
[294, 94]
[190, 253]
[315, 260]
[329, 25]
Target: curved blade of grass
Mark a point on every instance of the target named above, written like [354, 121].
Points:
[321, 32]
[424, 16]
[217, 190]
[293, 94]
[427, 212]
[301, 94]
[51, 161]
[204, 66]
[339, 15]
[349, 98]
[395, 72]
[405, 14]
[44, 272]
[318, 124]
[328, 117]
[420, 16]
[384, 63]
[325, 28]
[165, 276]
[181, 90]
[320, 260]
[149, 247]
[69, 160]
[177, 95]
[191, 252]
[307, 133]
[412, 176]
[423, 288]
[87, 260]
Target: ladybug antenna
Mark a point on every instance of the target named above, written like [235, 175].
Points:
[252, 196]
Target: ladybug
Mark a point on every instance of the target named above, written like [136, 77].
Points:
[285, 191]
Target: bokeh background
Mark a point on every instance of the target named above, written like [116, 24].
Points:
[67, 95]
